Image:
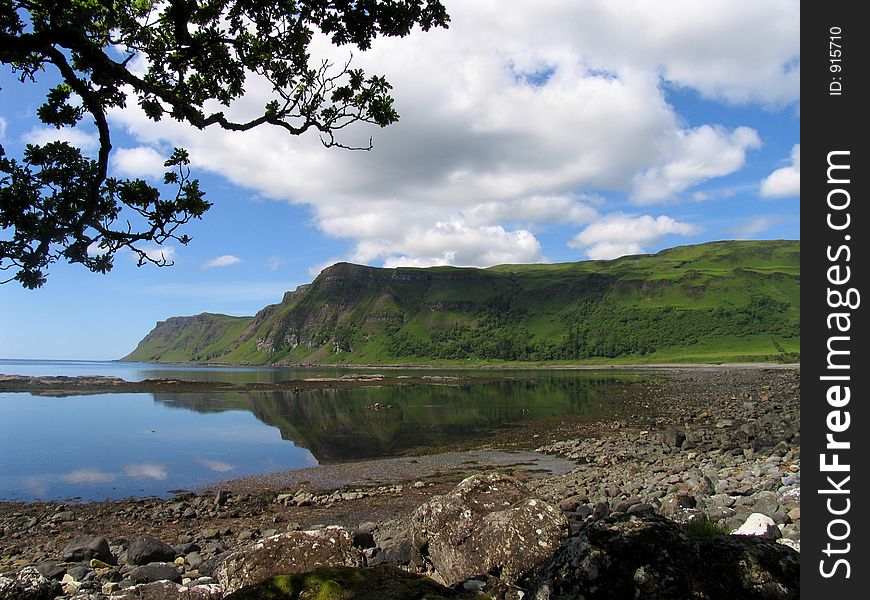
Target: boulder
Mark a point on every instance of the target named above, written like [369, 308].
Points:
[85, 547]
[377, 583]
[155, 572]
[51, 569]
[166, 590]
[673, 438]
[146, 550]
[676, 503]
[28, 584]
[650, 557]
[759, 525]
[488, 524]
[286, 553]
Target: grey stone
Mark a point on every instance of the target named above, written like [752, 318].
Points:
[652, 558]
[147, 549]
[363, 539]
[28, 584]
[167, 590]
[397, 551]
[85, 547]
[488, 523]
[78, 572]
[155, 572]
[676, 503]
[51, 569]
[293, 552]
[194, 559]
[673, 438]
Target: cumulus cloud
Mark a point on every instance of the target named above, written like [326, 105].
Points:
[75, 136]
[452, 243]
[160, 253]
[142, 161]
[88, 476]
[750, 228]
[508, 117]
[94, 249]
[146, 471]
[785, 181]
[225, 260]
[696, 155]
[535, 209]
[619, 234]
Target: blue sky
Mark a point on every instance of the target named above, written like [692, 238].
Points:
[556, 131]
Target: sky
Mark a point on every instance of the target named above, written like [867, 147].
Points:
[531, 131]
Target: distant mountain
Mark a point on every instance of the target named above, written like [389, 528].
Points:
[715, 302]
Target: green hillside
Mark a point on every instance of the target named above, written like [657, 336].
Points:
[714, 302]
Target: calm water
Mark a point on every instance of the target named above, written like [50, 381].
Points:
[119, 445]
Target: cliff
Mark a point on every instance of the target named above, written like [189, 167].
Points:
[715, 302]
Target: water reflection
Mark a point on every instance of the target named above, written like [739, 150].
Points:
[118, 445]
[339, 425]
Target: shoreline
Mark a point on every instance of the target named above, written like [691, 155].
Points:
[99, 384]
[467, 367]
[719, 442]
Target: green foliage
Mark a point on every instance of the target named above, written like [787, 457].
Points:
[716, 302]
[58, 204]
[705, 526]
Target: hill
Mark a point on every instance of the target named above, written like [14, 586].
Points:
[715, 302]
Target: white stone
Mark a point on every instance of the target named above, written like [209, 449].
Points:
[758, 525]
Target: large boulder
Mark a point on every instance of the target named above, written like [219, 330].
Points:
[383, 582]
[145, 549]
[155, 572]
[28, 584]
[286, 553]
[166, 590]
[488, 524]
[650, 557]
[86, 547]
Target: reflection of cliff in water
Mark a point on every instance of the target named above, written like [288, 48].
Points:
[337, 425]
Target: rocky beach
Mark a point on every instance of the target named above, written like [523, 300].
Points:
[690, 489]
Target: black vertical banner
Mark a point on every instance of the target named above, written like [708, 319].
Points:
[835, 420]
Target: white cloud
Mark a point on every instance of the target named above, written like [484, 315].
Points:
[751, 227]
[484, 144]
[215, 465]
[619, 234]
[224, 260]
[75, 136]
[159, 253]
[275, 262]
[452, 243]
[94, 249]
[88, 476]
[141, 161]
[3, 125]
[535, 209]
[315, 270]
[146, 471]
[696, 156]
[785, 181]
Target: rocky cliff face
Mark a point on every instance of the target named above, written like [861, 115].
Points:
[635, 306]
[200, 338]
